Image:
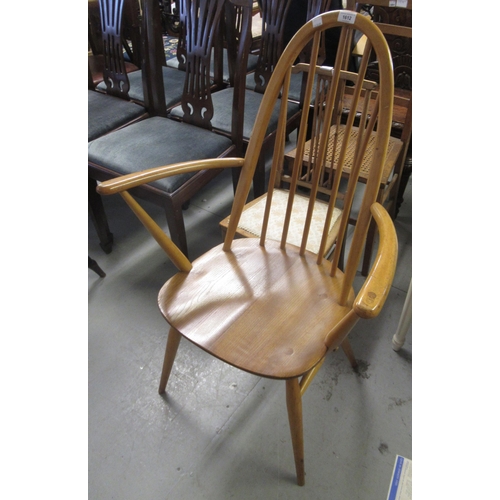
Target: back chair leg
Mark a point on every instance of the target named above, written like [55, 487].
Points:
[98, 217]
[346, 347]
[174, 337]
[175, 221]
[294, 407]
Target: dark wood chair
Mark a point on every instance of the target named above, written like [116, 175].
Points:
[221, 68]
[247, 102]
[173, 80]
[308, 10]
[158, 139]
[94, 266]
[174, 74]
[111, 108]
[272, 308]
[129, 39]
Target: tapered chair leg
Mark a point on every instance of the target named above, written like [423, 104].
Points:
[346, 347]
[96, 268]
[294, 407]
[176, 227]
[98, 217]
[174, 337]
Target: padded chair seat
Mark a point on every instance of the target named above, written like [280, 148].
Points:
[106, 113]
[173, 83]
[227, 306]
[223, 103]
[251, 219]
[155, 142]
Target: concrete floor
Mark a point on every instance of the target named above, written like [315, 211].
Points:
[221, 433]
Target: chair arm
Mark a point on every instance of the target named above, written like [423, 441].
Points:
[373, 294]
[129, 181]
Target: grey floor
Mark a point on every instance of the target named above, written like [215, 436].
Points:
[221, 433]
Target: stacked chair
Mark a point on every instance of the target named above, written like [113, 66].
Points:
[268, 306]
[110, 108]
[129, 39]
[231, 103]
[158, 139]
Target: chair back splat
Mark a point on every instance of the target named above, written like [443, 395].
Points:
[196, 101]
[271, 45]
[270, 305]
[115, 74]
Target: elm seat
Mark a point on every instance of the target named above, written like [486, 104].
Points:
[107, 113]
[149, 142]
[222, 279]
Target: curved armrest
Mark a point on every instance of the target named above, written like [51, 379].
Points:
[374, 292]
[129, 181]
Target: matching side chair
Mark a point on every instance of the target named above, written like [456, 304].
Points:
[111, 108]
[247, 102]
[268, 306]
[129, 36]
[158, 139]
[173, 79]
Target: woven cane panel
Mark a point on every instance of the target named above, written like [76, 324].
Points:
[251, 219]
[392, 152]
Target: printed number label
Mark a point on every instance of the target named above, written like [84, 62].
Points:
[317, 21]
[346, 17]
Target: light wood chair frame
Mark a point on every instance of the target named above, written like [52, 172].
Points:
[366, 303]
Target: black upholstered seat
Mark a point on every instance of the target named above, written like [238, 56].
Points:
[160, 140]
[152, 143]
[222, 116]
[107, 113]
[173, 83]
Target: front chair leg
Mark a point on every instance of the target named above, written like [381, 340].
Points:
[294, 407]
[174, 337]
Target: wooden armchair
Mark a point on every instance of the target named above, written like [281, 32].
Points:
[272, 308]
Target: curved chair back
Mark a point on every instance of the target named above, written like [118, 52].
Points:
[371, 137]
